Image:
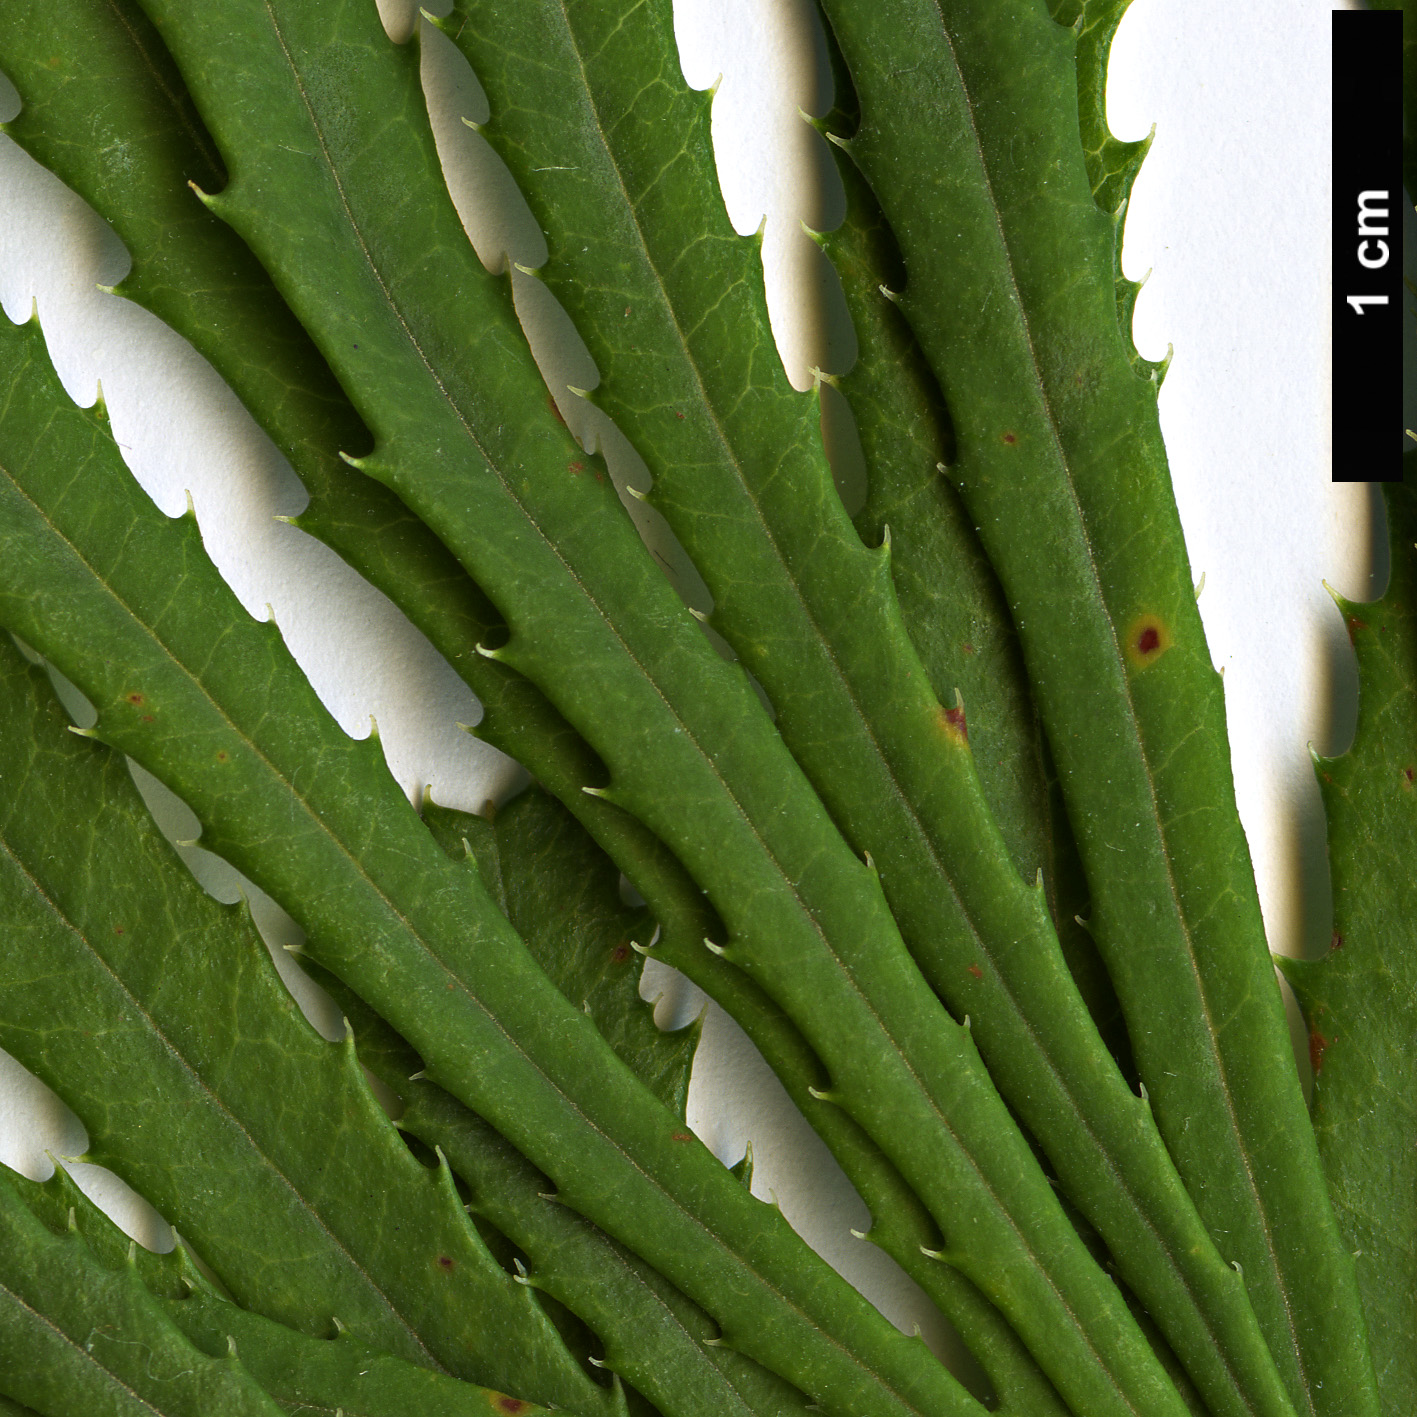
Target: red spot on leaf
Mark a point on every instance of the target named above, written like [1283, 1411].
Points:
[683, 1136]
[135, 698]
[1147, 639]
[679, 416]
[975, 970]
[968, 648]
[1337, 942]
[1010, 438]
[551, 404]
[1354, 625]
[445, 1263]
[955, 718]
[620, 953]
[221, 756]
[502, 1403]
[1317, 1045]
[1407, 773]
[575, 468]
[118, 930]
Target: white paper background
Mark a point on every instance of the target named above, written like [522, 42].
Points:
[1230, 215]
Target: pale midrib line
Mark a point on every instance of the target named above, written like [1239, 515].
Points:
[848, 689]
[199, 137]
[610, 626]
[202, 1087]
[1066, 467]
[925, 838]
[922, 1090]
[79, 1348]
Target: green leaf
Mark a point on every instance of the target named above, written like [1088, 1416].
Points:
[555, 553]
[562, 896]
[655, 1338]
[585, 96]
[1360, 1001]
[156, 1014]
[301, 1373]
[125, 604]
[75, 1336]
[970, 149]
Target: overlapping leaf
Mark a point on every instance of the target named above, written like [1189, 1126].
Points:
[1360, 1002]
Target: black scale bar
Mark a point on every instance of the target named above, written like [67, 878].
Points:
[1369, 301]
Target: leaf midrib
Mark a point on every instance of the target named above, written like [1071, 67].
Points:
[196, 1078]
[1131, 712]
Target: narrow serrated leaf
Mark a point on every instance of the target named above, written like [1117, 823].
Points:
[302, 1374]
[156, 1014]
[76, 1337]
[585, 96]
[1360, 1001]
[91, 575]
[970, 140]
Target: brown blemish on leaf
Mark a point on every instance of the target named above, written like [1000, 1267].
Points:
[975, 970]
[1317, 1046]
[969, 648]
[445, 1263]
[575, 468]
[135, 698]
[955, 725]
[683, 1136]
[1337, 942]
[1148, 637]
[500, 1402]
[620, 953]
[1354, 625]
[1011, 438]
[551, 404]
[221, 756]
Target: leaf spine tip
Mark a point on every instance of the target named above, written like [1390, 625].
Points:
[579, 393]
[415, 1077]
[1200, 585]
[596, 792]
[475, 126]
[932, 1254]
[640, 949]
[859, 1234]
[843, 143]
[340, 1327]
[231, 1348]
[717, 949]
[702, 616]
[594, 1361]
[352, 461]
[527, 271]
[633, 491]
[820, 1095]
[892, 295]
